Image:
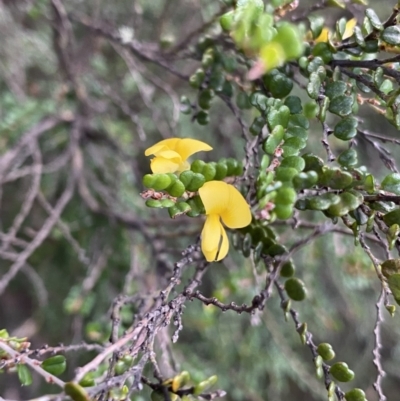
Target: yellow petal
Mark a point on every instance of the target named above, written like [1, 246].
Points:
[224, 246]
[215, 196]
[184, 146]
[324, 36]
[211, 234]
[237, 213]
[183, 166]
[214, 241]
[187, 147]
[161, 165]
[170, 154]
[225, 200]
[164, 144]
[350, 25]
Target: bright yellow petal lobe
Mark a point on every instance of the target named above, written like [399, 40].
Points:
[162, 145]
[221, 200]
[214, 241]
[187, 147]
[160, 165]
[176, 151]
[237, 213]
[211, 234]
[215, 196]
[350, 25]
[170, 154]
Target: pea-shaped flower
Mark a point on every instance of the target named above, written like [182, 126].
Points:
[224, 202]
[171, 154]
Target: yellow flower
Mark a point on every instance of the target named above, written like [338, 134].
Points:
[224, 202]
[171, 154]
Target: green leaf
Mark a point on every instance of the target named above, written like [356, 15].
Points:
[359, 36]
[314, 85]
[279, 85]
[185, 106]
[243, 101]
[259, 101]
[278, 117]
[202, 117]
[348, 202]
[335, 89]
[283, 212]
[24, 375]
[178, 209]
[296, 132]
[295, 289]
[192, 181]
[346, 129]
[176, 189]
[227, 20]
[348, 158]
[158, 182]
[341, 105]
[356, 394]
[205, 97]
[394, 285]
[315, 64]
[391, 183]
[390, 266]
[386, 87]
[221, 170]
[369, 184]
[294, 143]
[298, 120]
[257, 126]
[322, 202]
[316, 25]
[197, 166]
[373, 19]
[324, 51]
[55, 365]
[304, 180]
[285, 174]
[313, 163]
[336, 3]
[326, 351]
[76, 392]
[341, 372]
[392, 217]
[274, 139]
[285, 196]
[296, 162]
[340, 27]
[294, 104]
[287, 269]
[290, 39]
[209, 171]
